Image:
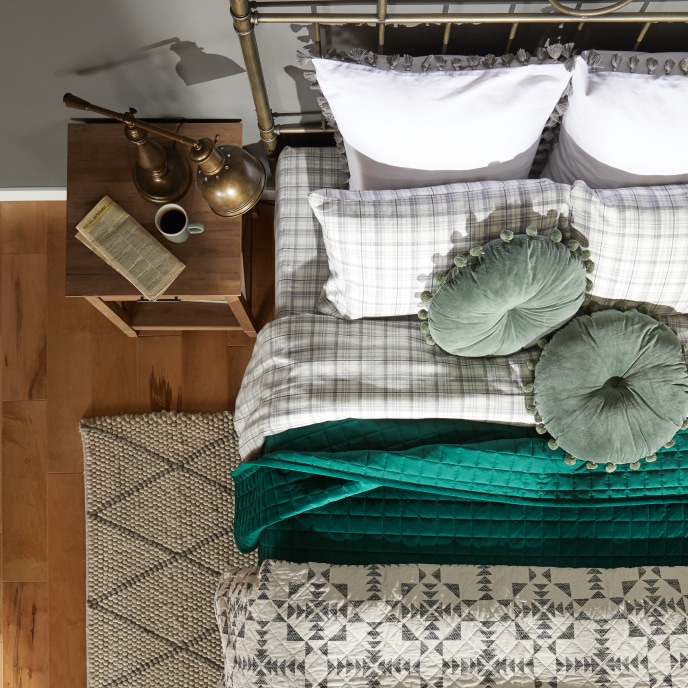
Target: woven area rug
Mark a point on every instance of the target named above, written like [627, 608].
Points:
[159, 503]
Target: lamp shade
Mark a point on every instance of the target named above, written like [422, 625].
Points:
[230, 179]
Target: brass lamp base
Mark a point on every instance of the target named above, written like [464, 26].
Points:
[167, 185]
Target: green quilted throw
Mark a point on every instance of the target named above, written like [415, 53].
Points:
[442, 491]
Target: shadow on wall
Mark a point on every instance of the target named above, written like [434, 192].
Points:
[305, 34]
[340, 39]
[195, 66]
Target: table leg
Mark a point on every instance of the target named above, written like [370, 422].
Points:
[114, 313]
[242, 313]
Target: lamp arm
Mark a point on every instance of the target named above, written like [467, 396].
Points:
[72, 101]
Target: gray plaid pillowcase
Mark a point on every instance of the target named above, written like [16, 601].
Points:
[638, 239]
[300, 259]
[384, 247]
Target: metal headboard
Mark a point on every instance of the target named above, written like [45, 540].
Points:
[248, 15]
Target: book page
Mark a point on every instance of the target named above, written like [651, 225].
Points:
[124, 244]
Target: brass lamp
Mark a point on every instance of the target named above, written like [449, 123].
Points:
[230, 179]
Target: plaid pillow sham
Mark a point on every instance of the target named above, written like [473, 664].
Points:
[638, 240]
[384, 248]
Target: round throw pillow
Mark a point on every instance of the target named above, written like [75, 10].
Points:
[510, 293]
[612, 387]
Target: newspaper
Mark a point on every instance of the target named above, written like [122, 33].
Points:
[116, 237]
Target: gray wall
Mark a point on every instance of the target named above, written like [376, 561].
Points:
[166, 58]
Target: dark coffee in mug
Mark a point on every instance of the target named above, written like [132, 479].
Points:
[173, 221]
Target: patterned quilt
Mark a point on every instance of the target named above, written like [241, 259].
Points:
[287, 625]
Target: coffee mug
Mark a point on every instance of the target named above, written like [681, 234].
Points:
[173, 223]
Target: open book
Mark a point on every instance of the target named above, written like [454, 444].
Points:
[116, 237]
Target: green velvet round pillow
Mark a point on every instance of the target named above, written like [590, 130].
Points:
[507, 295]
[612, 388]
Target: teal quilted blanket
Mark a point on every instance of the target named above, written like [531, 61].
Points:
[455, 492]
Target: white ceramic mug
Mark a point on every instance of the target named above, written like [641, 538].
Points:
[173, 223]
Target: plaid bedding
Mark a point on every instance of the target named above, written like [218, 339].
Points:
[313, 368]
[301, 267]
[310, 368]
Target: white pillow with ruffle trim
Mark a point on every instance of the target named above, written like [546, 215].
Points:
[625, 122]
[407, 129]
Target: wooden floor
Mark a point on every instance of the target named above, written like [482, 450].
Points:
[62, 361]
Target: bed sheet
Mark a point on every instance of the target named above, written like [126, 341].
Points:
[300, 258]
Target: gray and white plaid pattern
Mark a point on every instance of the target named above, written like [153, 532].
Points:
[313, 368]
[310, 368]
[384, 247]
[638, 239]
[301, 266]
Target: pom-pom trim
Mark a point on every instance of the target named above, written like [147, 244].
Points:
[569, 459]
[475, 254]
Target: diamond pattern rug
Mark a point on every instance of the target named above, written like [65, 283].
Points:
[159, 515]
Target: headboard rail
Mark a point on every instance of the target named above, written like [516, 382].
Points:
[637, 18]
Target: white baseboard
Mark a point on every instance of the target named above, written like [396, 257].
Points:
[34, 194]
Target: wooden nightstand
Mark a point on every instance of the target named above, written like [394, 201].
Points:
[211, 293]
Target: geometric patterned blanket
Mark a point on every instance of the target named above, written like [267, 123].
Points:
[287, 625]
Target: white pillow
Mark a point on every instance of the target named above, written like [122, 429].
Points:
[405, 129]
[624, 128]
[638, 240]
[384, 247]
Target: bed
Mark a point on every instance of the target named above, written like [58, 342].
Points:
[472, 401]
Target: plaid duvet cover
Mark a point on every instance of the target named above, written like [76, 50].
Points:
[312, 368]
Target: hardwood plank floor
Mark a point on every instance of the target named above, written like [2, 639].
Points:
[62, 361]
[24, 483]
[24, 281]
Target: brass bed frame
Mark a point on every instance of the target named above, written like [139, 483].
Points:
[248, 15]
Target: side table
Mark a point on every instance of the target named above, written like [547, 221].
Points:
[211, 293]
